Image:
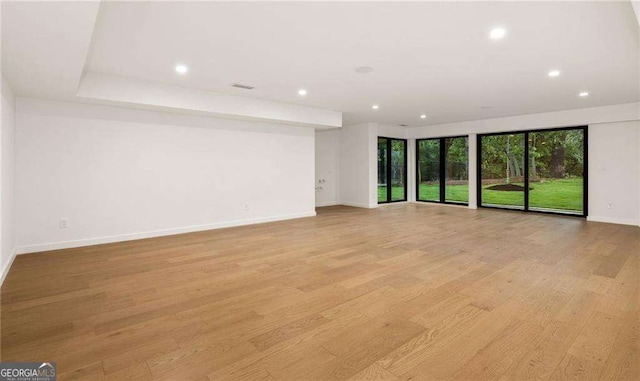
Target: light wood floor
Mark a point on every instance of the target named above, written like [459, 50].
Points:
[420, 292]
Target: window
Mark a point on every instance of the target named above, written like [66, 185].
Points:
[442, 170]
[428, 170]
[392, 170]
[502, 170]
[540, 170]
[456, 170]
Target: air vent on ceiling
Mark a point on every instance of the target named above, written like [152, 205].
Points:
[403, 125]
[241, 86]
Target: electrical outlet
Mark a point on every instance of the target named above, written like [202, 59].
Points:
[246, 206]
[64, 223]
[609, 205]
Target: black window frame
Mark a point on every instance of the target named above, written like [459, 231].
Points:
[585, 169]
[388, 167]
[443, 169]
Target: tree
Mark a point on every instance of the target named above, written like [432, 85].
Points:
[552, 154]
[558, 140]
[428, 160]
[457, 151]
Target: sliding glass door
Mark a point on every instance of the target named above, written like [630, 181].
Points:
[428, 170]
[442, 170]
[502, 170]
[383, 154]
[456, 170]
[392, 170]
[540, 170]
[556, 171]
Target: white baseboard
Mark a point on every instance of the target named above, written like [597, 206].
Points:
[156, 233]
[609, 220]
[330, 203]
[7, 267]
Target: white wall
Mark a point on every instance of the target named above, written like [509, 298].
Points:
[121, 174]
[613, 143]
[7, 200]
[135, 93]
[388, 131]
[614, 172]
[356, 150]
[124, 174]
[327, 167]
[578, 117]
[358, 162]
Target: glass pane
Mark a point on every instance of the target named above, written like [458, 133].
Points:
[556, 169]
[398, 170]
[382, 170]
[502, 170]
[456, 170]
[428, 170]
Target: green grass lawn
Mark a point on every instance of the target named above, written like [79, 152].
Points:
[564, 194]
[557, 194]
[454, 193]
[397, 193]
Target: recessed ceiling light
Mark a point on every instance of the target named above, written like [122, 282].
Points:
[584, 94]
[363, 69]
[423, 116]
[375, 107]
[302, 92]
[498, 33]
[554, 73]
[182, 69]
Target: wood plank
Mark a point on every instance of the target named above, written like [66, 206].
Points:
[404, 291]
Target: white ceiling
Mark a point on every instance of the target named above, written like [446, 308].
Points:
[433, 58]
[45, 46]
